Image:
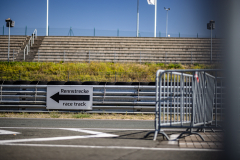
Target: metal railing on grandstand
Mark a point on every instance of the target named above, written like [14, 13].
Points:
[188, 99]
[29, 44]
[141, 57]
[97, 32]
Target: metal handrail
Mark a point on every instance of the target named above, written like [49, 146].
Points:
[29, 44]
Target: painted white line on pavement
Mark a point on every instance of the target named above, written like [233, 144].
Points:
[95, 135]
[3, 132]
[117, 129]
[113, 147]
[173, 139]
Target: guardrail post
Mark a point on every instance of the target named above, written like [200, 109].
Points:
[38, 55]
[3, 29]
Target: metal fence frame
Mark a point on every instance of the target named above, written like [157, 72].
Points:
[193, 102]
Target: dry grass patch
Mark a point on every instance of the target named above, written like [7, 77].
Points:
[59, 115]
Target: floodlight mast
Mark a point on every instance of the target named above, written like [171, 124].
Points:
[167, 9]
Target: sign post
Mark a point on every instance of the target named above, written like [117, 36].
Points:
[74, 97]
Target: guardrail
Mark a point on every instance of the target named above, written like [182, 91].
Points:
[106, 98]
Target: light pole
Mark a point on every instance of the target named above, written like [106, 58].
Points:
[47, 20]
[167, 9]
[211, 26]
[137, 18]
[154, 2]
[9, 23]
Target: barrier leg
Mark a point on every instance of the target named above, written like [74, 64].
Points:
[149, 134]
[156, 133]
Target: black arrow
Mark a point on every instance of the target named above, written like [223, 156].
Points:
[56, 97]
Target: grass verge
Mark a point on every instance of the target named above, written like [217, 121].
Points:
[94, 71]
[59, 115]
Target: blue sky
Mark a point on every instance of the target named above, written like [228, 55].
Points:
[188, 17]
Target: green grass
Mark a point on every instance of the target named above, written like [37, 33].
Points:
[94, 71]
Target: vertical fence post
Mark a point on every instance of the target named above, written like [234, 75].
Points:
[48, 30]
[118, 32]
[25, 30]
[13, 55]
[3, 29]
[159, 34]
[179, 34]
[165, 57]
[191, 57]
[94, 32]
[197, 35]
[19, 75]
[114, 57]
[24, 54]
[38, 55]
[27, 51]
[64, 56]
[140, 58]
[89, 57]
[115, 76]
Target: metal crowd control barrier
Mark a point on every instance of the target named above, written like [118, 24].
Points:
[185, 99]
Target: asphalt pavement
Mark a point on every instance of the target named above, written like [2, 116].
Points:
[95, 139]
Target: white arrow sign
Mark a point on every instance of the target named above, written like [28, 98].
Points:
[74, 97]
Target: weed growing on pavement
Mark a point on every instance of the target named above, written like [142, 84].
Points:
[54, 114]
[81, 115]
